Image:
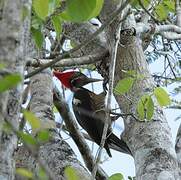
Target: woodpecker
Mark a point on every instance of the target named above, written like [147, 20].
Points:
[89, 109]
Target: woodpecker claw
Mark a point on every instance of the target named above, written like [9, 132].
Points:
[105, 82]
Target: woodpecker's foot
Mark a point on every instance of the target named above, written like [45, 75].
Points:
[104, 85]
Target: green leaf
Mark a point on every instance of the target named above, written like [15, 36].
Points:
[73, 43]
[53, 4]
[80, 10]
[161, 12]
[145, 107]
[25, 13]
[71, 174]
[24, 172]
[135, 3]
[57, 24]
[36, 22]
[43, 136]
[130, 72]
[117, 176]
[27, 138]
[124, 85]
[162, 96]
[9, 81]
[99, 4]
[2, 66]
[170, 5]
[38, 37]
[146, 3]
[133, 74]
[150, 108]
[42, 175]
[41, 8]
[7, 128]
[32, 119]
[55, 110]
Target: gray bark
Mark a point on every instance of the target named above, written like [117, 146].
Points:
[150, 142]
[178, 138]
[178, 148]
[56, 154]
[154, 153]
[12, 56]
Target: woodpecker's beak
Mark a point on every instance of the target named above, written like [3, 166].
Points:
[91, 80]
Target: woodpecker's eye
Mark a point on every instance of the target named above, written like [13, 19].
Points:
[76, 82]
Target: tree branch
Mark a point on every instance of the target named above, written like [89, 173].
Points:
[75, 133]
[109, 98]
[83, 44]
[69, 62]
[178, 12]
[172, 32]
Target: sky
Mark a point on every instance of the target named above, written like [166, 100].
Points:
[119, 163]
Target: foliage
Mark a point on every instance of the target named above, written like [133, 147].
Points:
[162, 9]
[32, 119]
[24, 172]
[145, 106]
[162, 96]
[124, 85]
[30, 175]
[71, 173]
[52, 11]
[75, 11]
[9, 82]
[81, 10]
[117, 176]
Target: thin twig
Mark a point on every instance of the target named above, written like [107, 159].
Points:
[75, 133]
[171, 68]
[163, 77]
[108, 103]
[141, 4]
[83, 44]
[69, 62]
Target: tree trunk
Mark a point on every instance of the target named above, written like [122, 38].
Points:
[12, 56]
[150, 142]
[55, 154]
[178, 148]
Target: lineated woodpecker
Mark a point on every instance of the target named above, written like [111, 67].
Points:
[89, 109]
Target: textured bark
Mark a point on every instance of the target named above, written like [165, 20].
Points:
[178, 138]
[150, 142]
[178, 148]
[79, 32]
[12, 55]
[154, 153]
[9, 39]
[56, 153]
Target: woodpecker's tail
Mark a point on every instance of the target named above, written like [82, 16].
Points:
[106, 146]
[118, 144]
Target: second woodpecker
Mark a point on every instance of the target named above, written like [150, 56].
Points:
[89, 109]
